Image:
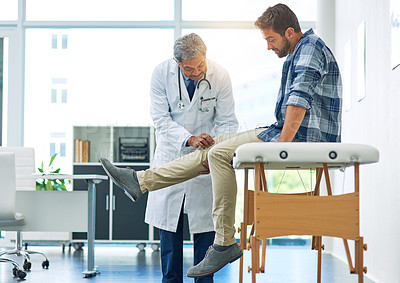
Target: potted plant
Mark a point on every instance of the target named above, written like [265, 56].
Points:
[51, 184]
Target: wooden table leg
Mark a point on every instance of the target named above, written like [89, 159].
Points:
[318, 243]
[359, 259]
[243, 225]
[255, 257]
[243, 243]
[263, 255]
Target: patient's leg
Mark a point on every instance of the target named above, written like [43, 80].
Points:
[134, 184]
[174, 172]
[190, 165]
[219, 157]
[178, 170]
[224, 185]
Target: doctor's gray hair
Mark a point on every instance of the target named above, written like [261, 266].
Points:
[189, 47]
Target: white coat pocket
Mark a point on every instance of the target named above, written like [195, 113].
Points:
[207, 104]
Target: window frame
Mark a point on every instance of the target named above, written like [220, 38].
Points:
[15, 30]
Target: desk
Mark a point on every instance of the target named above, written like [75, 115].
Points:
[92, 180]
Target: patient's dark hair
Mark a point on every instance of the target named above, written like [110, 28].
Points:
[279, 18]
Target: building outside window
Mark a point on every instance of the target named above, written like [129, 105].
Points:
[64, 43]
[54, 39]
[64, 93]
[53, 95]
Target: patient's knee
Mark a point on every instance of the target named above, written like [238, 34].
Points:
[216, 154]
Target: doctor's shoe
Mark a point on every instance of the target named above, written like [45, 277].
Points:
[215, 260]
[125, 178]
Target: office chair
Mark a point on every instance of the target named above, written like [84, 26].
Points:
[8, 216]
[24, 166]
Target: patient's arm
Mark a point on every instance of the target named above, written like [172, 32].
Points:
[294, 117]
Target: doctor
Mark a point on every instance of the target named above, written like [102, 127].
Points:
[191, 102]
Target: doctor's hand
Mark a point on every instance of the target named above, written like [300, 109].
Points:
[205, 164]
[203, 141]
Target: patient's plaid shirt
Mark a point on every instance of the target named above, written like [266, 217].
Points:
[311, 80]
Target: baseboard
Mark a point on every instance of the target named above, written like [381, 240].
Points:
[41, 236]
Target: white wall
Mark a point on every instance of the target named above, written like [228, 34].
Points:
[375, 121]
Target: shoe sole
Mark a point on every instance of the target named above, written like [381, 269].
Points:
[217, 269]
[117, 182]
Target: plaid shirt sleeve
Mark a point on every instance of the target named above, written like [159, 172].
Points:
[306, 74]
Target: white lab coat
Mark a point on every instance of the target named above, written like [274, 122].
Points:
[173, 126]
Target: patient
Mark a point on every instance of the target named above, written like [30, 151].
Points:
[308, 109]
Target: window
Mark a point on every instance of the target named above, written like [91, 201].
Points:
[54, 41]
[64, 96]
[52, 149]
[63, 44]
[94, 10]
[239, 10]
[255, 73]
[64, 41]
[58, 148]
[104, 79]
[58, 144]
[62, 149]
[53, 96]
[8, 10]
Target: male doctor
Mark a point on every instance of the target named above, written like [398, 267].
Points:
[191, 102]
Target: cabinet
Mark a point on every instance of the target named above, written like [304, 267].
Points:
[117, 217]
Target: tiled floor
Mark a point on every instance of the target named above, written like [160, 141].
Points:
[125, 263]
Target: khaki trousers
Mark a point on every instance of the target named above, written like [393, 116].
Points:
[219, 157]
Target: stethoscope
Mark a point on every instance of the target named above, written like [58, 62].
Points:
[181, 105]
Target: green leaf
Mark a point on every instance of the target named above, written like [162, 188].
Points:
[41, 168]
[52, 159]
[49, 186]
[56, 171]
